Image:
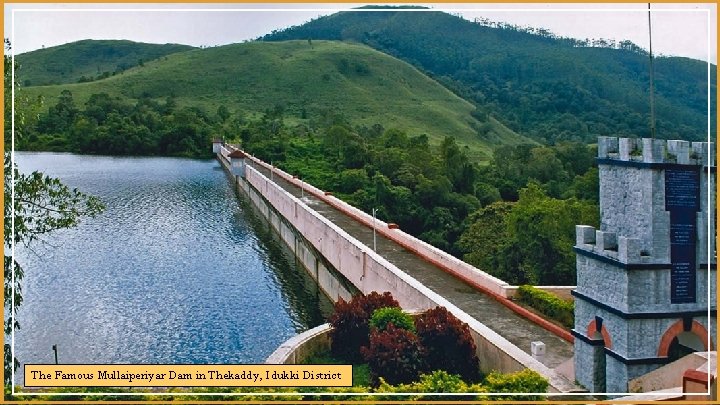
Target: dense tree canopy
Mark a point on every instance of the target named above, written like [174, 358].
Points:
[528, 242]
[514, 218]
[113, 126]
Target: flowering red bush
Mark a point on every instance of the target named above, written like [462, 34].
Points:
[350, 323]
[448, 343]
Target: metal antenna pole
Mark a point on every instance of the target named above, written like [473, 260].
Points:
[652, 79]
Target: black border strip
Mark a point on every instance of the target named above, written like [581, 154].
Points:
[637, 361]
[648, 165]
[641, 315]
[585, 339]
[617, 263]
[617, 356]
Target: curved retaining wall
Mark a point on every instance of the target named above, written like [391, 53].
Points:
[369, 272]
[300, 347]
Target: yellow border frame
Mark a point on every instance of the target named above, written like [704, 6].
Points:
[160, 400]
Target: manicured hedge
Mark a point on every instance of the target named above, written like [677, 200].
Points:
[548, 304]
[526, 381]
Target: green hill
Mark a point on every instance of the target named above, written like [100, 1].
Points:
[87, 60]
[307, 80]
[548, 88]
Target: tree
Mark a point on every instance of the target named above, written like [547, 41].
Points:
[223, 113]
[586, 186]
[39, 204]
[457, 165]
[541, 230]
[352, 180]
[530, 241]
[486, 239]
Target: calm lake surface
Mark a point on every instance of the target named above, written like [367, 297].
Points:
[176, 270]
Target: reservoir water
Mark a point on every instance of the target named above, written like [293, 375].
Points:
[176, 270]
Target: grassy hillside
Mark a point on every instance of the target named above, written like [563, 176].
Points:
[87, 60]
[282, 99]
[544, 87]
[307, 80]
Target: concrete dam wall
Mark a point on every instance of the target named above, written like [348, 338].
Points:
[325, 248]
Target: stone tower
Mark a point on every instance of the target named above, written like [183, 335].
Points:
[646, 279]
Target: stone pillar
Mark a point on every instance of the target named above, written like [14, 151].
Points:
[216, 143]
[237, 162]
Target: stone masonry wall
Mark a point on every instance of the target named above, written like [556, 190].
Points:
[633, 198]
[624, 267]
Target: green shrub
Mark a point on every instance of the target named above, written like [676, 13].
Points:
[394, 354]
[526, 381]
[522, 381]
[350, 324]
[437, 382]
[548, 304]
[383, 316]
[441, 381]
[448, 342]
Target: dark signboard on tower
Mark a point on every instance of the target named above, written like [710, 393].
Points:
[682, 200]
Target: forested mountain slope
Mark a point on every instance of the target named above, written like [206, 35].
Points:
[550, 89]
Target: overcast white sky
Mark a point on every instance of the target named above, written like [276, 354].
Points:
[678, 29]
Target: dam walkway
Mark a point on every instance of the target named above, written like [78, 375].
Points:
[517, 329]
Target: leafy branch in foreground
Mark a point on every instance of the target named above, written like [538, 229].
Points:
[42, 204]
[34, 205]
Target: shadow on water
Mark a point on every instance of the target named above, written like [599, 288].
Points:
[310, 306]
